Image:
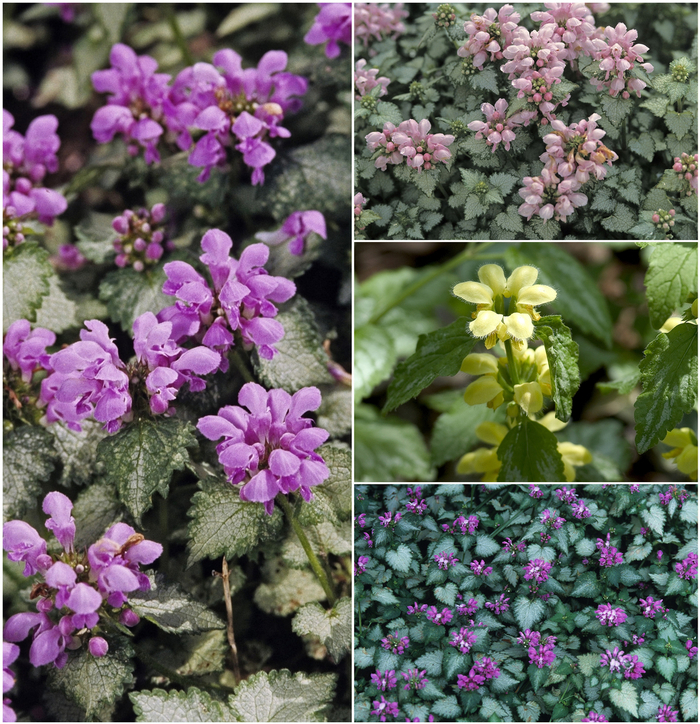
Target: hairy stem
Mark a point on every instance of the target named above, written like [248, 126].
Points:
[229, 620]
[313, 558]
[240, 364]
[468, 253]
[512, 363]
[178, 35]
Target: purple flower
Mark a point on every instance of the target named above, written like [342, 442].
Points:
[243, 298]
[542, 656]
[360, 519]
[634, 488]
[98, 646]
[378, 21]
[445, 560]
[537, 569]
[296, 228]
[269, 447]
[463, 641]
[665, 713]
[385, 519]
[579, 510]
[481, 671]
[439, 618]
[692, 650]
[394, 644]
[414, 679]
[532, 638]
[552, 519]
[592, 716]
[10, 652]
[650, 607]
[480, 568]
[333, 24]
[416, 608]
[361, 565]
[384, 681]
[688, 568]
[368, 538]
[140, 240]
[634, 668]
[88, 379]
[384, 708]
[609, 616]
[535, 492]
[135, 106]
[25, 348]
[659, 555]
[614, 661]
[500, 605]
[468, 608]
[61, 522]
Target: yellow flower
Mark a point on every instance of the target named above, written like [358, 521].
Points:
[573, 455]
[543, 374]
[486, 389]
[685, 450]
[529, 396]
[484, 460]
[530, 297]
[670, 323]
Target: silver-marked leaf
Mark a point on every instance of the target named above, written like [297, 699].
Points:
[95, 509]
[655, 518]
[26, 275]
[193, 705]
[285, 590]
[625, 698]
[689, 705]
[333, 627]
[400, 559]
[486, 546]
[77, 450]
[128, 294]
[528, 613]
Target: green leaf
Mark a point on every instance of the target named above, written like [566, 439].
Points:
[625, 698]
[301, 360]
[386, 113]
[447, 594]
[679, 123]
[193, 705]
[589, 663]
[95, 510]
[669, 384]
[615, 108]
[280, 696]
[335, 412]
[140, 459]
[655, 518]
[431, 662]
[528, 613]
[333, 627]
[666, 666]
[438, 354]
[473, 207]
[225, 525]
[171, 609]
[672, 275]
[578, 298]
[332, 501]
[621, 221]
[95, 683]
[77, 451]
[587, 585]
[537, 676]
[128, 294]
[504, 182]
[510, 220]
[28, 460]
[643, 146]
[562, 355]
[689, 705]
[485, 80]
[383, 595]
[529, 712]
[448, 708]
[375, 357]
[57, 312]
[400, 559]
[486, 546]
[285, 589]
[529, 454]
[656, 104]
[637, 553]
[585, 547]
[426, 181]
[26, 273]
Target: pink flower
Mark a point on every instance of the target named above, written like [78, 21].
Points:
[332, 25]
[609, 616]
[366, 79]
[480, 568]
[573, 25]
[533, 51]
[537, 569]
[488, 35]
[497, 128]
[378, 21]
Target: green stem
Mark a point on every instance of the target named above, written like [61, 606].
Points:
[512, 363]
[239, 363]
[512, 521]
[177, 34]
[623, 140]
[164, 532]
[468, 253]
[313, 559]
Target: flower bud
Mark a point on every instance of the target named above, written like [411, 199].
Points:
[98, 646]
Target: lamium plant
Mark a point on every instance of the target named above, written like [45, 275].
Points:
[544, 614]
[176, 356]
[541, 121]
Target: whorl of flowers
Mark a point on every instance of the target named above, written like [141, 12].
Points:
[617, 56]
[537, 569]
[361, 565]
[536, 87]
[296, 229]
[488, 35]
[384, 708]
[688, 568]
[394, 644]
[384, 681]
[10, 652]
[686, 168]
[439, 618]
[482, 670]
[140, 240]
[499, 606]
[498, 128]
[552, 519]
[366, 79]
[415, 679]
[573, 24]
[619, 662]
[650, 607]
[411, 141]
[609, 555]
[534, 51]
[25, 348]
[592, 716]
[479, 568]
[243, 298]
[79, 587]
[666, 713]
[544, 654]
[332, 25]
[378, 21]
[463, 640]
[674, 492]
[468, 608]
[445, 560]
[609, 616]
[548, 196]
[417, 608]
[415, 504]
[25, 161]
[268, 446]
[535, 491]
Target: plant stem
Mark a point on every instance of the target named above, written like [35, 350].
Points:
[164, 532]
[512, 363]
[237, 358]
[468, 253]
[313, 558]
[229, 620]
[176, 678]
[177, 34]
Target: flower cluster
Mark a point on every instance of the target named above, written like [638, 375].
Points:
[140, 240]
[674, 492]
[415, 503]
[80, 587]
[242, 299]
[592, 716]
[223, 103]
[482, 670]
[296, 229]
[361, 565]
[535, 491]
[439, 618]
[548, 197]
[692, 650]
[394, 644]
[686, 168]
[378, 21]
[332, 25]
[544, 654]
[366, 79]
[479, 568]
[688, 568]
[463, 640]
[500, 606]
[578, 507]
[468, 608]
[488, 35]
[386, 520]
[268, 445]
[25, 348]
[384, 708]
[489, 295]
[551, 519]
[498, 127]
[664, 221]
[609, 555]
[25, 162]
[620, 662]
[465, 525]
[416, 608]
[609, 616]
[410, 141]
[384, 681]
[513, 548]
[445, 16]
[665, 713]
[537, 569]
[414, 679]
[445, 560]
[10, 652]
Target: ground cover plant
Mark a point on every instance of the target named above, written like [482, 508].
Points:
[517, 363]
[526, 603]
[176, 260]
[526, 121]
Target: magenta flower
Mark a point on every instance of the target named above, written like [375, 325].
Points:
[665, 713]
[634, 668]
[614, 661]
[135, 107]
[592, 716]
[542, 656]
[463, 640]
[551, 519]
[609, 616]
[482, 670]
[361, 565]
[445, 560]
[535, 492]
[296, 229]
[537, 569]
[692, 650]
[366, 79]
[580, 510]
[531, 638]
[10, 652]
[378, 21]
[414, 679]
[268, 446]
[634, 488]
[332, 25]
[395, 644]
[140, 240]
[384, 708]
[480, 568]
[688, 568]
[566, 495]
[610, 557]
[384, 681]
[468, 608]
[439, 618]
[500, 605]
[25, 349]
[416, 608]
[488, 35]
